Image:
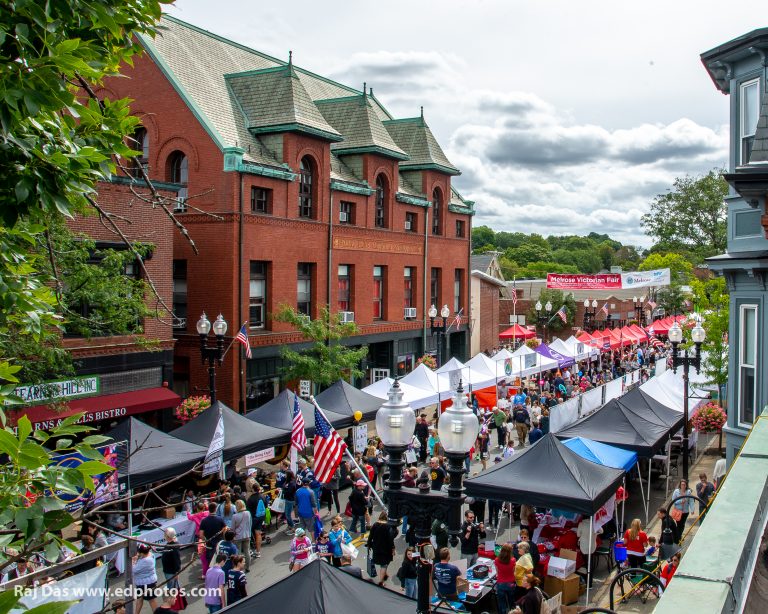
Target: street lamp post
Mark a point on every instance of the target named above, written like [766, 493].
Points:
[589, 315]
[439, 329]
[637, 305]
[212, 355]
[543, 316]
[457, 428]
[675, 334]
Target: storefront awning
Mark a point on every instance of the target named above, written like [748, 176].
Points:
[96, 409]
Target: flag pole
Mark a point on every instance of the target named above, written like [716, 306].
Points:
[233, 340]
[351, 458]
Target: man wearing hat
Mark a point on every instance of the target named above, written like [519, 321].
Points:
[358, 502]
[306, 505]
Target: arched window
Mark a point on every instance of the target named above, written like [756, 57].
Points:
[381, 202]
[306, 187]
[140, 143]
[178, 171]
[437, 212]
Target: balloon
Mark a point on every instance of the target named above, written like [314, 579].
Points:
[358, 415]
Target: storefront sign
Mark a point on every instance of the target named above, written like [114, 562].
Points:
[87, 417]
[58, 390]
[261, 456]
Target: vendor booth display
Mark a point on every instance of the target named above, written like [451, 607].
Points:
[241, 435]
[344, 399]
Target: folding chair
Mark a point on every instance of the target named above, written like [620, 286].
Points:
[438, 601]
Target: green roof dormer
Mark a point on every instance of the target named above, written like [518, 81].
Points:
[414, 137]
[274, 100]
[358, 122]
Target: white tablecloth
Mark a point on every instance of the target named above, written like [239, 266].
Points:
[185, 533]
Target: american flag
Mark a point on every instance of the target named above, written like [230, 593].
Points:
[655, 342]
[242, 337]
[562, 314]
[604, 309]
[298, 436]
[457, 320]
[329, 448]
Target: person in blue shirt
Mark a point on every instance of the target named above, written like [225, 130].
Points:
[229, 548]
[535, 434]
[519, 398]
[445, 575]
[306, 506]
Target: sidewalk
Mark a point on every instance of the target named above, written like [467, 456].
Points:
[601, 597]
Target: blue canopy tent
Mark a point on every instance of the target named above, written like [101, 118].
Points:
[548, 352]
[601, 453]
[609, 456]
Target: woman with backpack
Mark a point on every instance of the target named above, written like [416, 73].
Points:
[408, 572]
[258, 509]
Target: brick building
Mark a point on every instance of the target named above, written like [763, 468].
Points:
[117, 376]
[300, 191]
[488, 287]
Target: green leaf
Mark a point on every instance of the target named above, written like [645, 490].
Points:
[8, 600]
[52, 607]
[8, 443]
[91, 468]
[24, 428]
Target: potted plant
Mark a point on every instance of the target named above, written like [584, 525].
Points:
[710, 418]
[191, 407]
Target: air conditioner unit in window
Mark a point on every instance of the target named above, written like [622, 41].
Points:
[512, 318]
[410, 313]
[305, 318]
[346, 316]
[180, 206]
[343, 217]
[408, 224]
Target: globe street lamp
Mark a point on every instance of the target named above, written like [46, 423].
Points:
[675, 335]
[458, 428]
[439, 329]
[589, 315]
[212, 355]
[637, 305]
[543, 316]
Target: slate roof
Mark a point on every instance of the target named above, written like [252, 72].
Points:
[196, 61]
[356, 119]
[481, 262]
[415, 138]
[406, 187]
[274, 98]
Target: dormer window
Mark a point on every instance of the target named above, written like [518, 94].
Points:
[750, 110]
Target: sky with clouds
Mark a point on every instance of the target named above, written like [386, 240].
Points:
[564, 117]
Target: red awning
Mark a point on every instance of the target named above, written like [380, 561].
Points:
[96, 409]
[517, 332]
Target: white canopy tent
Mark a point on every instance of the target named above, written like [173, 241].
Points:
[470, 376]
[416, 397]
[526, 361]
[581, 351]
[485, 365]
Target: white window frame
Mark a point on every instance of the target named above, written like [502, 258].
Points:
[743, 308]
[742, 121]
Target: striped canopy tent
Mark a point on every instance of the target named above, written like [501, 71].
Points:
[517, 332]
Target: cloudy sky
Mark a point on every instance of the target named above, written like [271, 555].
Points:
[565, 117]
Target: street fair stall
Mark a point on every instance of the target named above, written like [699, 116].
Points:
[552, 476]
[241, 435]
[317, 588]
[342, 398]
[561, 360]
[278, 413]
[517, 332]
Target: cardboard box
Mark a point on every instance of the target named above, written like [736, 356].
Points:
[561, 567]
[462, 585]
[169, 513]
[571, 609]
[569, 587]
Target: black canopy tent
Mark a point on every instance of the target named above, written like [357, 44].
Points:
[633, 424]
[152, 455]
[278, 413]
[548, 474]
[241, 435]
[343, 398]
[320, 588]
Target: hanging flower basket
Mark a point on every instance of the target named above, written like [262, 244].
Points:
[191, 407]
[428, 360]
[710, 418]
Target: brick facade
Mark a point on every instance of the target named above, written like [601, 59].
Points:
[229, 236]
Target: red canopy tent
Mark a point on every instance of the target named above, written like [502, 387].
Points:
[517, 332]
[641, 334]
[628, 332]
[585, 337]
[605, 336]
